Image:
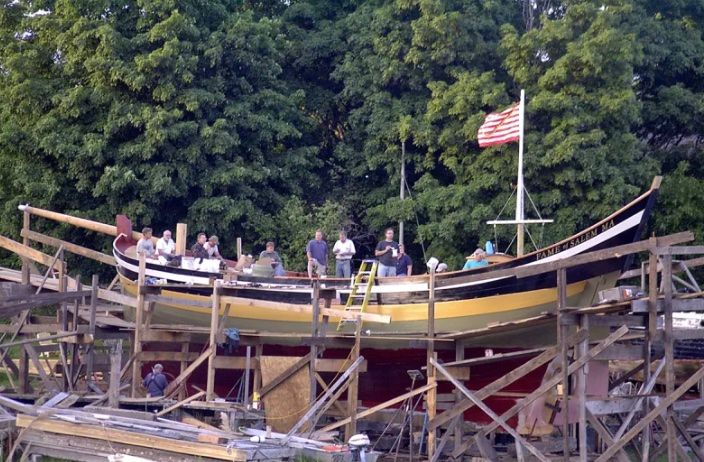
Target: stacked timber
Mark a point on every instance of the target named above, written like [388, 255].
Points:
[81, 434]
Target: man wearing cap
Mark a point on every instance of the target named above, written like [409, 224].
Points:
[212, 248]
[275, 258]
[155, 382]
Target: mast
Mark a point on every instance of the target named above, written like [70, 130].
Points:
[520, 218]
[520, 190]
[402, 193]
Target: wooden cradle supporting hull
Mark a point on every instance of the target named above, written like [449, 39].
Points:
[451, 316]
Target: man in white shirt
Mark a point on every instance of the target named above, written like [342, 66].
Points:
[343, 250]
[212, 247]
[165, 248]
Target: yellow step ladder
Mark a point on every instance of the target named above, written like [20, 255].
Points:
[363, 280]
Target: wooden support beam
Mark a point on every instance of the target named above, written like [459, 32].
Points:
[378, 407]
[582, 391]
[480, 404]
[647, 419]
[173, 386]
[115, 373]
[281, 378]
[73, 248]
[175, 406]
[138, 328]
[214, 328]
[502, 382]
[605, 435]
[307, 309]
[26, 252]
[431, 357]
[688, 438]
[322, 400]
[353, 389]
[669, 354]
[551, 383]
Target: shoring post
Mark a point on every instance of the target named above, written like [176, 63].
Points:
[651, 335]
[669, 355]
[115, 372]
[185, 349]
[431, 395]
[314, 334]
[26, 219]
[138, 327]
[582, 375]
[90, 349]
[214, 326]
[459, 356]
[564, 348]
[353, 388]
[181, 233]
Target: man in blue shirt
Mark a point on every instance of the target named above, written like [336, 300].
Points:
[155, 382]
[477, 260]
[404, 267]
[317, 251]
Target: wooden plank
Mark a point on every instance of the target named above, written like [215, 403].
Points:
[175, 406]
[307, 309]
[647, 419]
[379, 407]
[669, 354]
[148, 356]
[494, 358]
[27, 252]
[73, 248]
[480, 404]
[688, 438]
[212, 342]
[187, 373]
[278, 380]
[131, 438]
[605, 435]
[138, 328]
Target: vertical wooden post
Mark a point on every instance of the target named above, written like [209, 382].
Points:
[90, 349]
[431, 395]
[314, 347]
[257, 380]
[181, 237]
[459, 356]
[25, 240]
[239, 248]
[247, 368]
[185, 349]
[353, 389]
[115, 367]
[651, 335]
[562, 336]
[669, 355]
[582, 373]
[138, 327]
[214, 326]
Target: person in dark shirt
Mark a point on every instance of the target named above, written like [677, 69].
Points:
[404, 267]
[275, 258]
[387, 253]
[155, 382]
[198, 250]
[317, 252]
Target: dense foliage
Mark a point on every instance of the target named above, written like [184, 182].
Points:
[267, 120]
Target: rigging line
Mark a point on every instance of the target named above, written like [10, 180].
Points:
[506, 203]
[510, 243]
[533, 204]
[410, 196]
[531, 238]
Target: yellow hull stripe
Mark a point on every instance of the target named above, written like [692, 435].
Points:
[399, 313]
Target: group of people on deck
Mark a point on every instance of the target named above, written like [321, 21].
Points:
[392, 257]
[165, 249]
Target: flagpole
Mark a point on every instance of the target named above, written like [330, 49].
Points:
[520, 209]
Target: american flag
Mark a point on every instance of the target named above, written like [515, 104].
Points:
[500, 127]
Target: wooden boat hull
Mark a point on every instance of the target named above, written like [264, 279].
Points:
[451, 316]
[464, 300]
